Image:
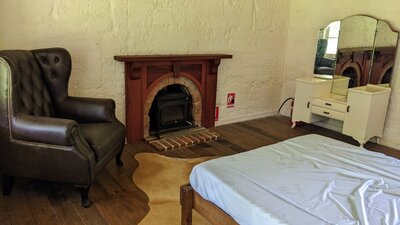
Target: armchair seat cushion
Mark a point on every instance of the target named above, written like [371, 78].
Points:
[102, 137]
[324, 70]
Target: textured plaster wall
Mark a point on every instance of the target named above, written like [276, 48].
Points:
[254, 31]
[357, 32]
[307, 16]
[385, 36]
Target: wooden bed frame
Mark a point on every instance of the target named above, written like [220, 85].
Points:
[190, 199]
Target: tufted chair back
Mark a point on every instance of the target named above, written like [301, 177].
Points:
[56, 69]
[40, 80]
[29, 91]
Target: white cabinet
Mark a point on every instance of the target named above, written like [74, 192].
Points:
[367, 106]
[306, 89]
[363, 112]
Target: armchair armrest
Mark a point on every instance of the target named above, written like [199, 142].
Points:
[45, 130]
[87, 110]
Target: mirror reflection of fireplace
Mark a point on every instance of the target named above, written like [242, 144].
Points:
[387, 76]
[171, 110]
[352, 74]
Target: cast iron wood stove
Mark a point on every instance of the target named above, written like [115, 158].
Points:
[171, 110]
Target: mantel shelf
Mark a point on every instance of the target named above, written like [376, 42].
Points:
[180, 57]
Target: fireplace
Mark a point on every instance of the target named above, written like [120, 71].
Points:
[351, 73]
[356, 63]
[146, 79]
[171, 110]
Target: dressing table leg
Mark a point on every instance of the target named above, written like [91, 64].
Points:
[361, 142]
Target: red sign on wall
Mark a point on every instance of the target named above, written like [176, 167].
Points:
[230, 101]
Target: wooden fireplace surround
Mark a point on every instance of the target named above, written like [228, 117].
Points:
[360, 60]
[144, 72]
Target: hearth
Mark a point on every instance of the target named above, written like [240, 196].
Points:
[146, 77]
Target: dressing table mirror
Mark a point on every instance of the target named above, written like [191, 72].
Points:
[352, 73]
[327, 42]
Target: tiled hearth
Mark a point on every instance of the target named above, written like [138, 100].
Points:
[145, 76]
[182, 139]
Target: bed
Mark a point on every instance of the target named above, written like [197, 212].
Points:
[309, 179]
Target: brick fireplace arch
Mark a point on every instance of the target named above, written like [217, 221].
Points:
[387, 67]
[357, 70]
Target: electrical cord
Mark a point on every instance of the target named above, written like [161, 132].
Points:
[279, 110]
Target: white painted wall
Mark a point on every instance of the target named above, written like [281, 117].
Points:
[254, 31]
[307, 16]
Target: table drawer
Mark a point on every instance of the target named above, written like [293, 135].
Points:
[327, 113]
[341, 107]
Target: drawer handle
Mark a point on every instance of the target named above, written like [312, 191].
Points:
[348, 108]
[328, 104]
[326, 113]
[308, 105]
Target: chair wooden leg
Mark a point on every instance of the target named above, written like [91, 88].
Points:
[86, 203]
[187, 204]
[8, 183]
[118, 159]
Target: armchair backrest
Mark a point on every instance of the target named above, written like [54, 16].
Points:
[55, 64]
[321, 48]
[23, 87]
[35, 81]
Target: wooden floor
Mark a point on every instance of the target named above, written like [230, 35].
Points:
[117, 200]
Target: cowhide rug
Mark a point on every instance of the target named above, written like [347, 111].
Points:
[160, 177]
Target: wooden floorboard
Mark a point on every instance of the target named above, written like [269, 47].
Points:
[4, 215]
[62, 205]
[17, 206]
[236, 137]
[118, 201]
[39, 204]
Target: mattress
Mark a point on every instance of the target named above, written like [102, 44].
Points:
[307, 180]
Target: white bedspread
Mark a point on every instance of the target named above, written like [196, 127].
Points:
[308, 180]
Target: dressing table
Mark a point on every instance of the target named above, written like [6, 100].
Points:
[363, 110]
[357, 92]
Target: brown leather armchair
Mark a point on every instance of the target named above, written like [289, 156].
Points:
[46, 134]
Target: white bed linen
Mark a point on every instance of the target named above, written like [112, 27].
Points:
[308, 180]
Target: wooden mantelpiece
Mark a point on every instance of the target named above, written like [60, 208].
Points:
[145, 74]
[147, 58]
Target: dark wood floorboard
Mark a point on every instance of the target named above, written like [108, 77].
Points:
[4, 215]
[62, 205]
[39, 204]
[118, 201]
[17, 206]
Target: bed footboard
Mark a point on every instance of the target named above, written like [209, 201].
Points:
[191, 200]
[187, 204]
